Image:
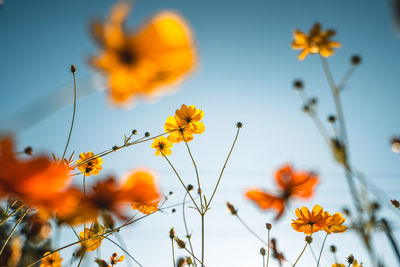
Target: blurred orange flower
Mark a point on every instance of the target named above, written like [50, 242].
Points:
[338, 265]
[316, 42]
[160, 53]
[89, 167]
[336, 223]
[162, 146]
[145, 208]
[89, 241]
[310, 222]
[355, 264]
[53, 260]
[37, 181]
[291, 183]
[109, 196]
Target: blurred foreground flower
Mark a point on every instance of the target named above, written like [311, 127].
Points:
[37, 181]
[316, 42]
[53, 260]
[160, 53]
[310, 222]
[291, 184]
[396, 145]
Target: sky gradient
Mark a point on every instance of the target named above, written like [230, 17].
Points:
[246, 68]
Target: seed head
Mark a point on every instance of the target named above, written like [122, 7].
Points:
[73, 69]
[355, 60]
[298, 84]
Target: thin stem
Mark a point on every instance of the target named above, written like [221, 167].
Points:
[186, 227]
[197, 173]
[223, 168]
[183, 184]
[301, 254]
[194, 257]
[11, 214]
[251, 231]
[124, 250]
[268, 248]
[346, 77]
[13, 230]
[202, 239]
[173, 252]
[73, 119]
[263, 265]
[313, 254]
[322, 248]
[83, 255]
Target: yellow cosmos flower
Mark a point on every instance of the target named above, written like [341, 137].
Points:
[190, 116]
[338, 265]
[53, 260]
[178, 131]
[316, 42]
[141, 62]
[310, 222]
[93, 243]
[162, 146]
[336, 223]
[145, 208]
[91, 167]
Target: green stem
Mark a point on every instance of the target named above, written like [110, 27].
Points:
[186, 228]
[322, 248]
[173, 252]
[301, 254]
[268, 249]
[11, 214]
[223, 168]
[12, 231]
[73, 119]
[183, 184]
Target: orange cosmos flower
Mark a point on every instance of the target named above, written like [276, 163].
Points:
[310, 222]
[53, 260]
[298, 184]
[162, 146]
[91, 167]
[338, 265]
[140, 187]
[114, 259]
[36, 181]
[316, 42]
[139, 63]
[336, 223]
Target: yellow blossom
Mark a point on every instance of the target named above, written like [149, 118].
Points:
[162, 146]
[190, 116]
[316, 42]
[53, 260]
[338, 265]
[178, 132]
[336, 223]
[89, 167]
[310, 222]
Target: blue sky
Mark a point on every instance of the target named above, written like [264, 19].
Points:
[245, 74]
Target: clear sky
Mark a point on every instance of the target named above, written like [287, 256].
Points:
[246, 68]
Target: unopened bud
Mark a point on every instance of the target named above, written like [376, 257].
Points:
[350, 259]
[268, 225]
[308, 239]
[298, 85]
[231, 208]
[180, 242]
[333, 249]
[73, 69]
[262, 251]
[172, 233]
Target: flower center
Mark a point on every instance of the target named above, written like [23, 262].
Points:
[127, 56]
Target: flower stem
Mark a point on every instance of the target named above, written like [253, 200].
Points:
[223, 168]
[301, 254]
[268, 248]
[320, 253]
[12, 231]
[186, 228]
